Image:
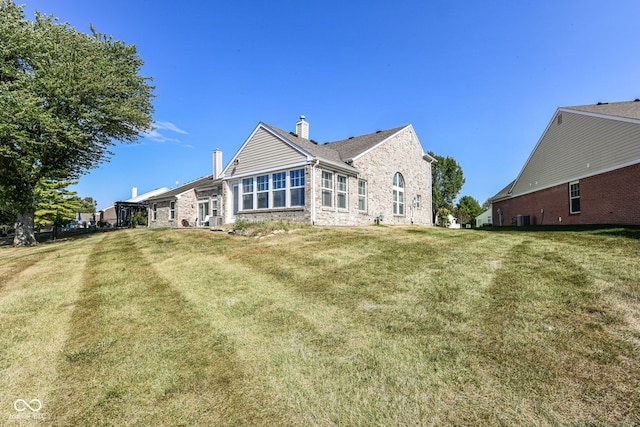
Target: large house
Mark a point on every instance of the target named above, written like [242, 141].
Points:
[383, 176]
[585, 169]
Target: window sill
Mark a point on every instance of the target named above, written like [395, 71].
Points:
[290, 209]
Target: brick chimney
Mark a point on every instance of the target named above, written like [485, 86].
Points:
[302, 128]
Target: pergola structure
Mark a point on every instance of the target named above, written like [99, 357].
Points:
[125, 211]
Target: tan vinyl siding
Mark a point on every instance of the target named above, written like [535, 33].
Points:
[580, 146]
[265, 151]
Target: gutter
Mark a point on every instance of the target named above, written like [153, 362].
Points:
[313, 191]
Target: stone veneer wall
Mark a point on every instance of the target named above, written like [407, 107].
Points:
[186, 208]
[401, 153]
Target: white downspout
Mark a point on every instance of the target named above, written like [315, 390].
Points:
[313, 192]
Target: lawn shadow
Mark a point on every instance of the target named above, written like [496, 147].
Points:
[628, 231]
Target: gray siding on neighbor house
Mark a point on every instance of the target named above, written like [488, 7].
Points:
[264, 151]
[577, 146]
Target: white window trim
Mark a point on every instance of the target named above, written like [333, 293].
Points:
[363, 196]
[267, 191]
[572, 198]
[273, 189]
[397, 190]
[327, 189]
[172, 210]
[242, 193]
[288, 188]
[345, 192]
[215, 210]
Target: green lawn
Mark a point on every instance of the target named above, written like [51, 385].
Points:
[350, 326]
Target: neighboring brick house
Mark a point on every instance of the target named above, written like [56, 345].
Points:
[383, 177]
[585, 169]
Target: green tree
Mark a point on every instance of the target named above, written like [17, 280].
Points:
[65, 97]
[467, 209]
[442, 216]
[86, 205]
[55, 204]
[447, 181]
[486, 205]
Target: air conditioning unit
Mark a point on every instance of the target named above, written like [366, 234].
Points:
[523, 220]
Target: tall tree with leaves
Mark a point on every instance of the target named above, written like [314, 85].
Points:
[65, 97]
[467, 209]
[54, 202]
[447, 181]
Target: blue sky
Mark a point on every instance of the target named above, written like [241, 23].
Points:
[479, 81]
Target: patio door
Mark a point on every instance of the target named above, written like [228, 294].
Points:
[236, 198]
[203, 213]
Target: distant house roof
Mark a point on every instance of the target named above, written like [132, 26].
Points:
[145, 196]
[204, 181]
[628, 109]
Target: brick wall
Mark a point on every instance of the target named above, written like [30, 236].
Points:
[608, 198]
[401, 153]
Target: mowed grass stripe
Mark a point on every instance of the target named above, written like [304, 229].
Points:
[36, 303]
[137, 354]
[375, 327]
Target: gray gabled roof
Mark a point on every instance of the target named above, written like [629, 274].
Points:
[353, 147]
[341, 151]
[627, 110]
[196, 183]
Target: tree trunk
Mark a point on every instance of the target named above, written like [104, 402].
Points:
[24, 235]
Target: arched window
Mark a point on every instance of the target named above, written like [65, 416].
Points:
[398, 194]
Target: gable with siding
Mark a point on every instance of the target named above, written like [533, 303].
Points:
[581, 142]
[264, 150]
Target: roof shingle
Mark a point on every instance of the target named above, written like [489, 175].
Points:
[628, 109]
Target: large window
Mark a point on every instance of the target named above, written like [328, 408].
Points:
[398, 194]
[247, 193]
[262, 184]
[362, 195]
[327, 189]
[279, 184]
[273, 190]
[172, 210]
[296, 187]
[574, 197]
[342, 192]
